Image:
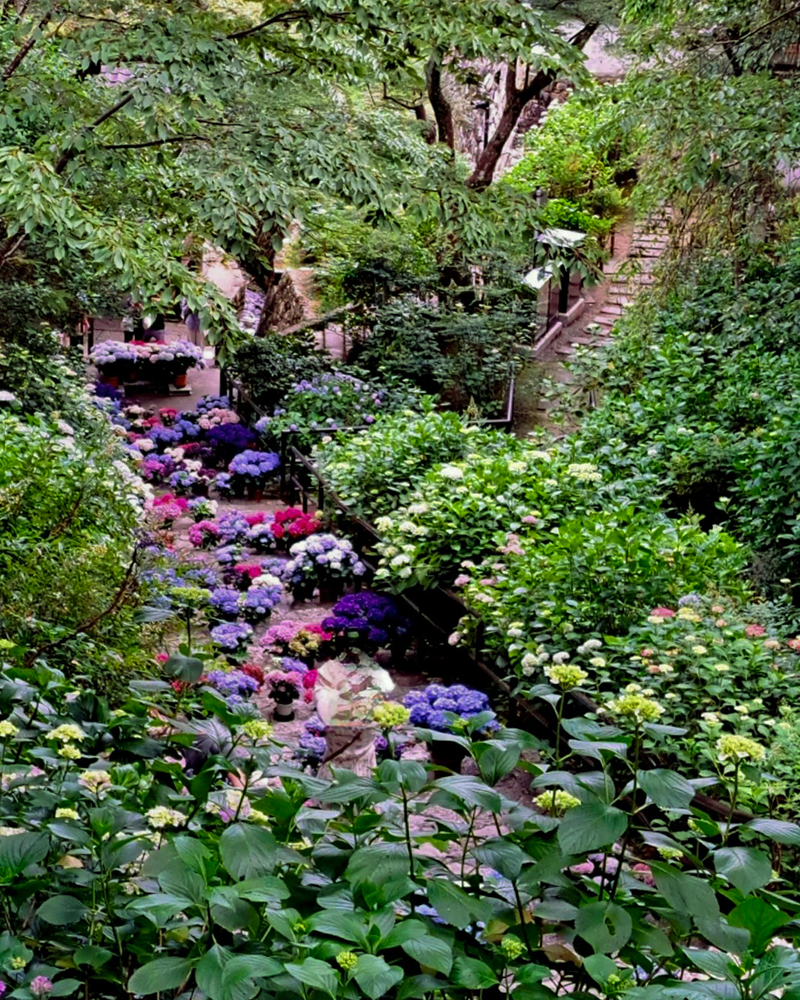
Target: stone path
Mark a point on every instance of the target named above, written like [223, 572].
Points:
[649, 241]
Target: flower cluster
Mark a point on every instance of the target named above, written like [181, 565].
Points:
[231, 637]
[739, 748]
[367, 620]
[235, 685]
[204, 534]
[390, 714]
[429, 707]
[254, 466]
[259, 601]
[319, 557]
[293, 523]
[304, 640]
[112, 356]
[555, 802]
[224, 602]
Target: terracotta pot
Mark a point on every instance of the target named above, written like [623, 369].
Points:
[179, 381]
[132, 376]
[283, 712]
[112, 380]
[255, 493]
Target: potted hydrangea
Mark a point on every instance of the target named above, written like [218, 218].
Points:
[114, 360]
[231, 638]
[250, 471]
[284, 689]
[322, 561]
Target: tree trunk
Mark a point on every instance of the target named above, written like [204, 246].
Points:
[516, 99]
[442, 111]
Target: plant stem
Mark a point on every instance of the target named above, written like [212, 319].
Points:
[733, 803]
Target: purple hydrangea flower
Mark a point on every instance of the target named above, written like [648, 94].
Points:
[231, 637]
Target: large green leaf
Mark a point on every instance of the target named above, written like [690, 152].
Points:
[61, 910]
[248, 851]
[777, 830]
[430, 951]
[378, 863]
[744, 867]
[347, 926]
[502, 855]
[761, 919]
[453, 904]
[472, 974]
[606, 926]
[20, 850]
[590, 826]
[312, 972]
[715, 963]
[375, 976]
[666, 788]
[469, 791]
[686, 894]
[161, 975]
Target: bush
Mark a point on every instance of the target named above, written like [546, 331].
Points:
[269, 366]
[460, 355]
[69, 510]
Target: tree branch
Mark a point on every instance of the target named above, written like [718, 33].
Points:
[70, 152]
[286, 16]
[25, 48]
[515, 101]
[158, 142]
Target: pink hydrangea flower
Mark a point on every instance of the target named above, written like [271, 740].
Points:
[754, 631]
[662, 613]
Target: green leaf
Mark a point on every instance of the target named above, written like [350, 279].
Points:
[472, 974]
[65, 987]
[453, 904]
[686, 894]
[606, 926]
[715, 963]
[666, 788]
[502, 855]
[777, 830]
[470, 791]
[590, 826]
[21, 850]
[377, 863]
[248, 851]
[600, 967]
[316, 974]
[267, 889]
[744, 867]
[347, 926]
[495, 762]
[92, 955]
[160, 975]
[404, 931]
[430, 951]
[721, 934]
[185, 668]
[61, 910]
[375, 976]
[761, 919]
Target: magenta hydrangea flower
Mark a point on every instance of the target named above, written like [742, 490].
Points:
[41, 986]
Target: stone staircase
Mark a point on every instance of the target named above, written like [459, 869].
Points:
[649, 241]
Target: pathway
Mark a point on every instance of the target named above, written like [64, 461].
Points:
[635, 272]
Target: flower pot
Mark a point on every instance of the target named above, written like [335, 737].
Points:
[255, 493]
[200, 489]
[330, 591]
[283, 712]
[179, 381]
[112, 380]
[238, 490]
[444, 754]
[132, 376]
